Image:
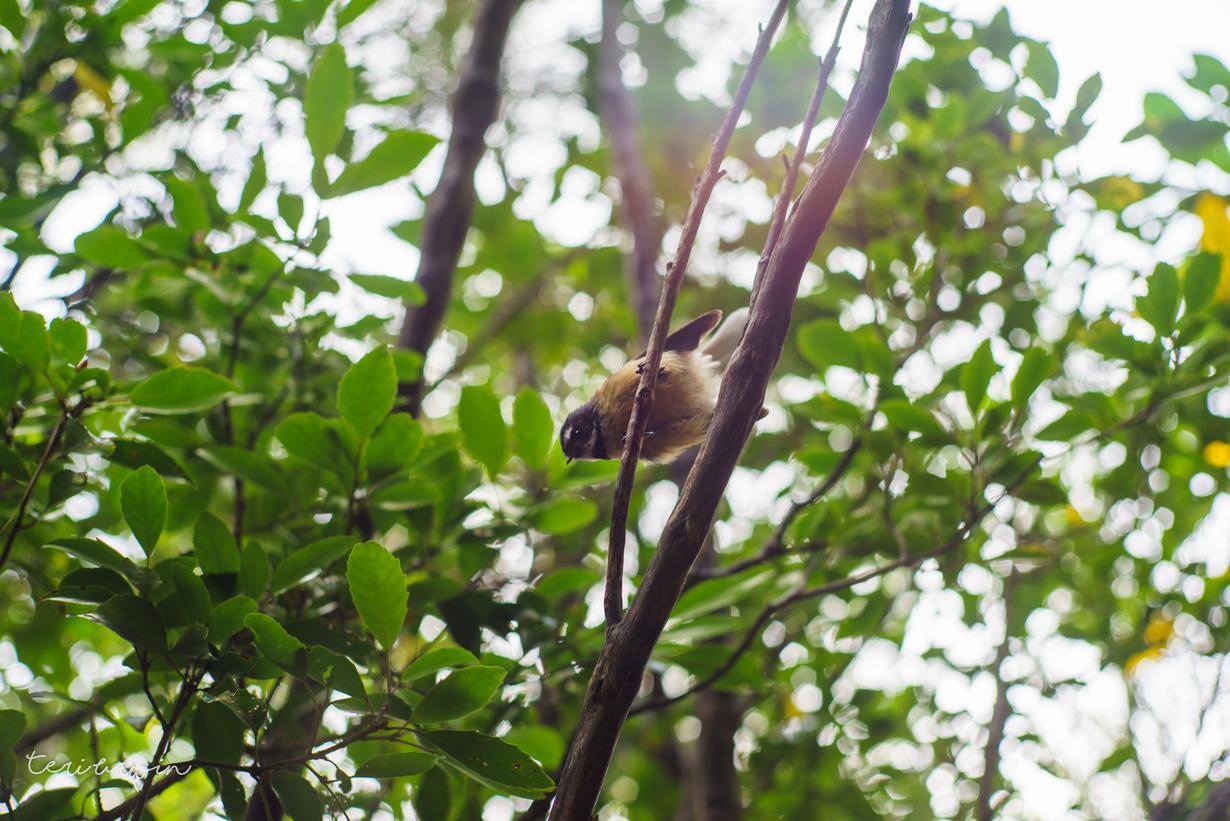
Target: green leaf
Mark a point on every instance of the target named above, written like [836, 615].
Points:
[143, 501]
[335, 670]
[484, 433]
[182, 390]
[976, 376]
[69, 339]
[227, 618]
[255, 184]
[193, 596]
[216, 551]
[368, 390]
[98, 553]
[393, 157]
[299, 800]
[1042, 68]
[253, 570]
[1160, 305]
[109, 246]
[1034, 368]
[396, 442]
[378, 587]
[824, 343]
[273, 641]
[309, 562]
[904, 417]
[433, 661]
[189, 208]
[408, 291]
[23, 335]
[12, 725]
[407, 494]
[1200, 282]
[133, 619]
[493, 762]
[564, 514]
[533, 429]
[315, 440]
[463, 692]
[351, 11]
[217, 733]
[396, 765]
[432, 799]
[325, 100]
[712, 594]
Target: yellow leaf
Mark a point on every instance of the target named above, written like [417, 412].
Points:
[93, 82]
[1159, 631]
[1120, 191]
[1148, 654]
[1217, 453]
[1216, 237]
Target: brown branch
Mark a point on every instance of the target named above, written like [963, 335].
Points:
[13, 527]
[451, 205]
[782, 206]
[999, 717]
[635, 193]
[643, 403]
[617, 676]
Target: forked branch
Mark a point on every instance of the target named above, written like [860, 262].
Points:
[617, 676]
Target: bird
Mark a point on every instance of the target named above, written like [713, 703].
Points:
[683, 402]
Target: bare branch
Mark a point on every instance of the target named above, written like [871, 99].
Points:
[643, 405]
[451, 205]
[617, 676]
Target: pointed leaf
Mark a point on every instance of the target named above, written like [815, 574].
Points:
[143, 501]
[367, 391]
[482, 426]
[325, 100]
[463, 692]
[182, 390]
[378, 587]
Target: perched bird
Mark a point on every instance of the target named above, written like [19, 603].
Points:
[683, 398]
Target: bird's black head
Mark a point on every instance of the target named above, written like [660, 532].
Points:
[581, 436]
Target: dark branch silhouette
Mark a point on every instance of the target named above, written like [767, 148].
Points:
[617, 676]
[451, 205]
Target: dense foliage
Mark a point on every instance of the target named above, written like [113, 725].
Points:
[225, 545]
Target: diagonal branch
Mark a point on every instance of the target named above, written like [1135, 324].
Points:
[451, 205]
[617, 676]
[643, 405]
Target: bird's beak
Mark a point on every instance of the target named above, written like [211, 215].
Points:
[567, 460]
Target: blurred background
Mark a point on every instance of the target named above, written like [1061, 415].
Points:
[1037, 160]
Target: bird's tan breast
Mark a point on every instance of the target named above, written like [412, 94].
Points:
[683, 391]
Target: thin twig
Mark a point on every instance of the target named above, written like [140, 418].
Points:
[795, 164]
[643, 404]
[14, 524]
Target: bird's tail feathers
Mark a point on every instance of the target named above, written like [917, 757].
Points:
[722, 344]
